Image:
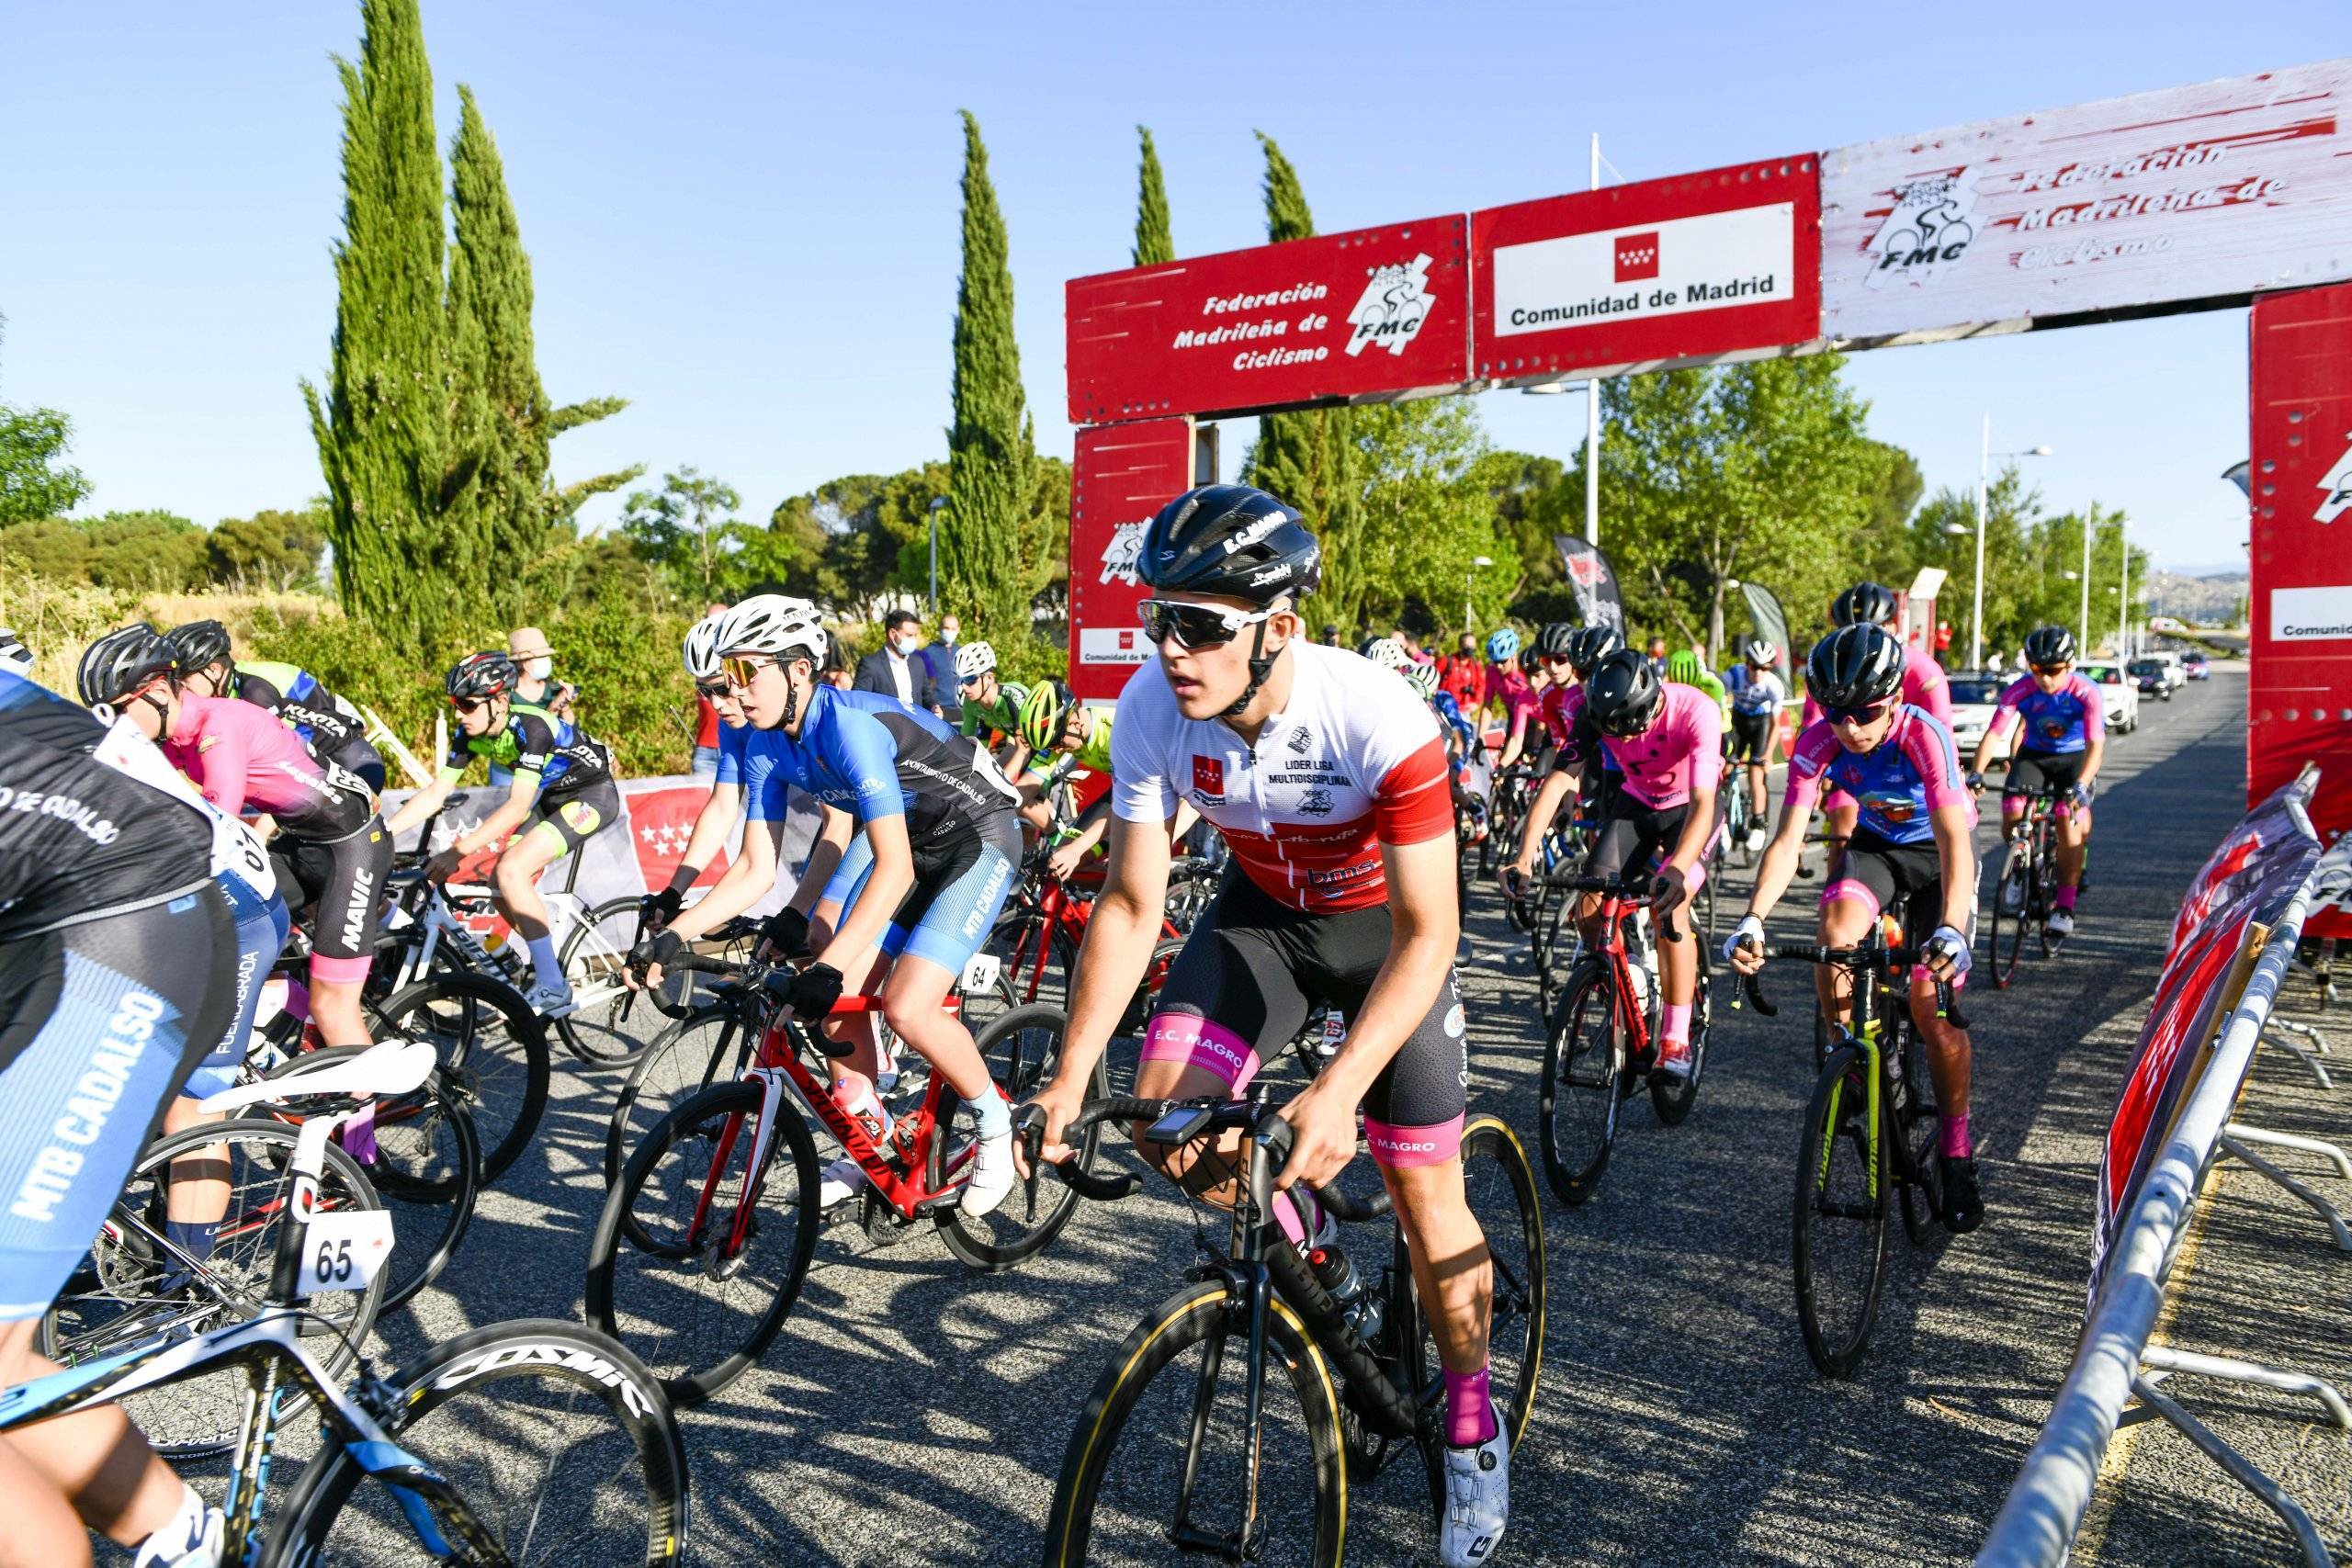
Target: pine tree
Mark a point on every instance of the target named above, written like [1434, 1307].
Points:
[1153, 242]
[988, 445]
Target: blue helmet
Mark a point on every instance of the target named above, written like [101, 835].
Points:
[1503, 646]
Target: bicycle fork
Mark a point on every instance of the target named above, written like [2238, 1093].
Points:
[1868, 1042]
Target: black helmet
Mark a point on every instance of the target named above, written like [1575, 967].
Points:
[1623, 694]
[1552, 641]
[1854, 667]
[199, 645]
[1863, 605]
[121, 662]
[1230, 539]
[481, 675]
[1589, 645]
[2049, 645]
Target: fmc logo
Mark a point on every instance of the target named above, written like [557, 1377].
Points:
[1927, 229]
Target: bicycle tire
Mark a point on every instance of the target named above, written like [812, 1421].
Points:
[632, 1228]
[601, 1411]
[1497, 1175]
[1020, 1048]
[1837, 1333]
[687, 1059]
[495, 1048]
[611, 1025]
[193, 1416]
[1672, 1098]
[1582, 1069]
[2045, 867]
[1100, 1484]
[2015, 864]
[1919, 1182]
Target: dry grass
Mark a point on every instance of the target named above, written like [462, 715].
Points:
[57, 621]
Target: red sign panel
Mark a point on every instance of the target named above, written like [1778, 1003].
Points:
[1694, 268]
[1119, 477]
[1370, 313]
[2299, 702]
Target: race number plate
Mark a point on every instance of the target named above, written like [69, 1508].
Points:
[979, 974]
[343, 1251]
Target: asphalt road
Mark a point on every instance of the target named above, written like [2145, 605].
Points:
[912, 1412]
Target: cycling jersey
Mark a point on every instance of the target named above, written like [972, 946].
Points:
[1520, 700]
[872, 756]
[1000, 719]
[243, 760]
[1682, 750]
[1449, 713]
[1923, 687]
[1753, 694]
[2054, 721]
[1709, 684]
[1897, 783]
[733, 739]
[1093, 755]
[534, 740]
[1353, 762]
[329, 723]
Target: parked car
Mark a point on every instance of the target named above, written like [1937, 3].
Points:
[2123, 694]
[2196, 667]
[2175, 673]
[1974, 698]
[2150, 675]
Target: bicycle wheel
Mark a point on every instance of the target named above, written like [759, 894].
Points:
[1499, 1182]
[1839, 1236]
[1579, 1097]
[2045, 889]
[661, 1277]
[495, 1049]
[1672, 1098]
[2012, 911]
[1919, 1175]
[610, 1024]
[118, 1298]
[1143, 1437]
[1020, 1049]
[712, 1046]
[424, 1160]
[556, 1440]
[1562, 953]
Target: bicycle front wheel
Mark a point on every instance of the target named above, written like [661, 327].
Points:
[709, 1046]
[556, 1440]
[1839, 1236]
[495, 1049]
[1160, 1446]
[611, 1024]
[1578, 1097]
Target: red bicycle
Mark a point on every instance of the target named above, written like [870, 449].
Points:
[1038, 935]
[705, 1238]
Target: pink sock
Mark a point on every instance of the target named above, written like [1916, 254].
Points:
[1955, 1141]
[1677, 1024]
[1469, 1411]
[2066, 898]
[1296, 1211]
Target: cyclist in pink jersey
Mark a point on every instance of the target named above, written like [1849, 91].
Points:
[1568, 653]
[1873, 604]
[2060, 717]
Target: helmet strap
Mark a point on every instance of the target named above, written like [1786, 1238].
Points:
[1260, 666]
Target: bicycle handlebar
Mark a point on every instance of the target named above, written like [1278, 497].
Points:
[775, 978]
[1029, 1121]
[1853, 958]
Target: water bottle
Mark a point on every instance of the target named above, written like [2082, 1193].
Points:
[1337, 1276]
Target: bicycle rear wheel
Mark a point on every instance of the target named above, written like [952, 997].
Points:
[1020, 1049]
[558, 1441]
[709, 1046]
[494, 1045]
[611, 1025]
[1168, 1411]
[663, 1278]
[2012, 911]
[1578, 1095]
[1838, 1231]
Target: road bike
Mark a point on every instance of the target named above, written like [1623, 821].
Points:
[1870, 1132]
[1603, 1038]
[1188, 1445]
[523, 1443]
[1038, 935]
[706, 1236]
[2026, 889]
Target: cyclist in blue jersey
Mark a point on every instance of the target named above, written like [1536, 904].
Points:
[1910, 852]
[724, 809]
[2061, 718]
[1754, 688]
[905, 906]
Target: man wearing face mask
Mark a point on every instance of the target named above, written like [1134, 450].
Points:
[527, 646]
[939, 658]
[898, 670]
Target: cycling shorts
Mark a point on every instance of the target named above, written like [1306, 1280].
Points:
[345, 879]
[1751, 737]
[961, 883]
[100, 1021]
[1906, 878]
[1634, 834]
[262, 926]
[575, 818]
[1253, 969]
[2033, 770]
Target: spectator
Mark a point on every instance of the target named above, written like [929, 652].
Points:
[898, 670]
[939, 660]
[1465, 675]
[1656, 654]
[1413, 649]
[527, 646]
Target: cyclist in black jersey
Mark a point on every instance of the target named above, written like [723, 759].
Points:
[330, 726]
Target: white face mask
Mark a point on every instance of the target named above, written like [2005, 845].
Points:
[538, 668]
[907, 646]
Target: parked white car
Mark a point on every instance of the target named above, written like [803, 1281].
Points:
[2123, 694]
[2176, 672]
[1974, 699]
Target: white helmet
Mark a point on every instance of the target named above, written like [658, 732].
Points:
[13, 655]
[773, 624]
[702, 646]
[974, 659]
[1388, 653]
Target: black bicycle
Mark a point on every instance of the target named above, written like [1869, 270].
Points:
[2026, 890]
[1184, 1448]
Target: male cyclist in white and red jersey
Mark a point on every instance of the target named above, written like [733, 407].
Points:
[1873, 604]
[1328, 779]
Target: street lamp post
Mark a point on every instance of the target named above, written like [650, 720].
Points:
[1985, 455]
[2083, 627]
[1467, 579]
[936, 502]
[2124, 594]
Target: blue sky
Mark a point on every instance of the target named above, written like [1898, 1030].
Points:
[743, 217]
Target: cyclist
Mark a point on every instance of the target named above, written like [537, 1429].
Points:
[1055, 724]
[327, 723]
[905, 906]
[1754, 684]
[1909, 853]
[992, 707]
[1568, 653]
[1873, 604]
[324, 831]
[1685, 667]
[724, 809]
[562, 794]
[2061, 745]
[1327, 778]
[116, 958]
[1508, 688]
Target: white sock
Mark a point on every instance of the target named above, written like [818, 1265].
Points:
[169, 1546]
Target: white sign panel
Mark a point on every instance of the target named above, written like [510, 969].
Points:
[1669, 268]
[2215, 191]
[1113, 645]
[2311, 614]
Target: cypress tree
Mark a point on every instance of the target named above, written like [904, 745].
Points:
[1307, 457]
[383, 428]
[988, 445]
[1153, 242]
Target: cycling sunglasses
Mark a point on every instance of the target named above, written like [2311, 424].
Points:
[2050, 669]
[743, 667]
[713, 689]
[1866, 715]
[469, 705]
[1194, 625]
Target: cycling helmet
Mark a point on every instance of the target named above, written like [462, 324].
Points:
[199, 645]
[774, 624]
[121, 662]
[480, 675]
[1761, 652]
[1682, 667]
[1388, 653]
[1588, 646]
[15, 657]
[1503, 646]
[974, 659]
[1854, 667]
[702, 646]
[1623, 694]
[1041, 715]
[1423, 678]
[1233, 540]
[1863, 605]
[1556, 638]
[2049, 645]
